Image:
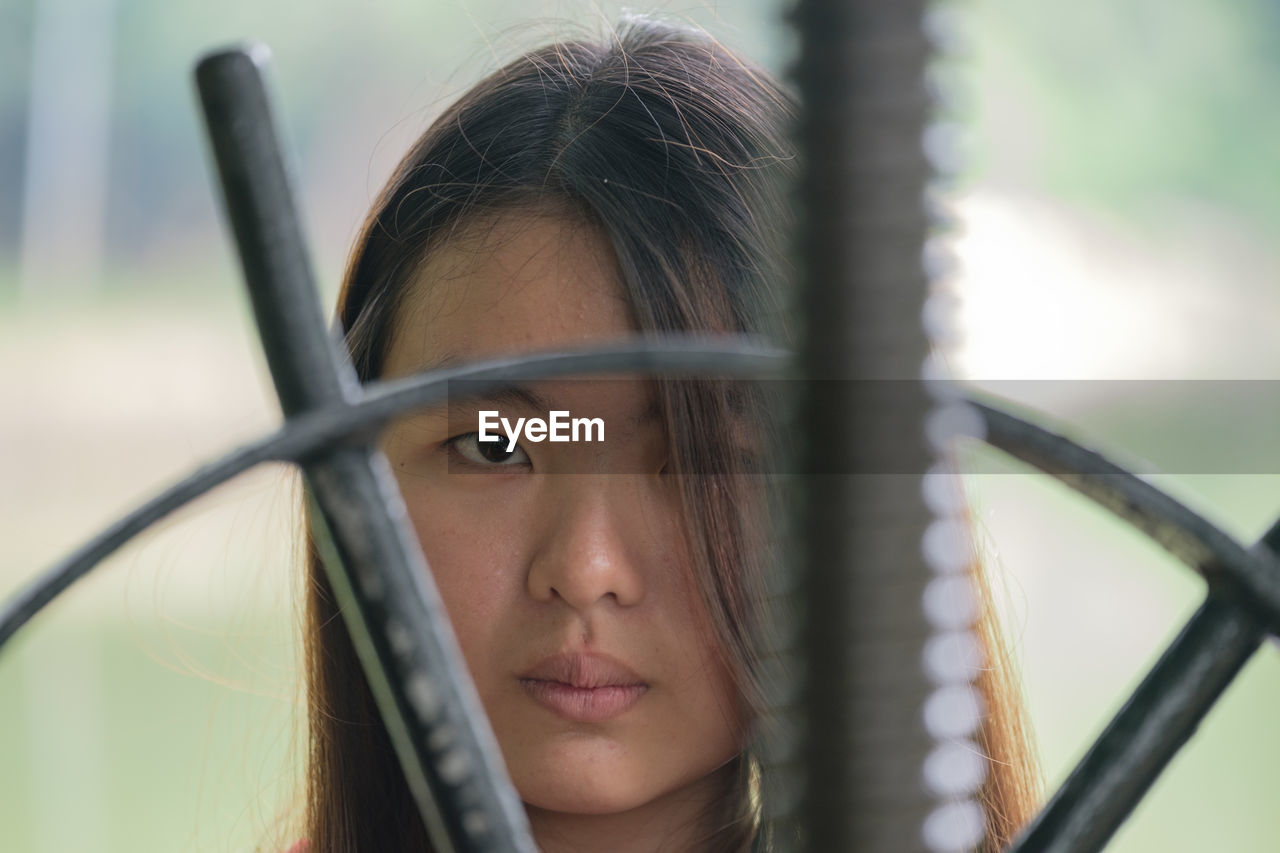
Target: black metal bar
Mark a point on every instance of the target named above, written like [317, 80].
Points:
[1182, 532]
[389, 602]
[309, 433]
[860, 73]
[268, 233]
[1154, 723]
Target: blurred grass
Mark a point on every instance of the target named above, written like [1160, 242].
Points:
[1140, 106]
[131, 748]
[155, 701]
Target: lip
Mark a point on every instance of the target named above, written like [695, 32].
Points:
[583, 687]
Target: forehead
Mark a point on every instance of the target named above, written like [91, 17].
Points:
[511, 283]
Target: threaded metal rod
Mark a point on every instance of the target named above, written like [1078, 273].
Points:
[862, 229]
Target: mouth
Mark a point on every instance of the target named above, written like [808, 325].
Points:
[584, 688]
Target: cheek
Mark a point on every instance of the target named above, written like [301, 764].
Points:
[475, 564]
[713, 689]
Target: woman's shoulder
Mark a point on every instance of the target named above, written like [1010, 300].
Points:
[299, 847]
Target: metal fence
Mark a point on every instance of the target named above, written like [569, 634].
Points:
[857, 739]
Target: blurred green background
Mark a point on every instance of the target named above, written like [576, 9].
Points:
[1115, 222]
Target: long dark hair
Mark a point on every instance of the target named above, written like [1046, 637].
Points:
[676, 150]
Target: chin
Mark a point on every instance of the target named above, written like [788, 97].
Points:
[595, 786]
[580, 802]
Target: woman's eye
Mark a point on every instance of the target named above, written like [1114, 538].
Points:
[489, 454]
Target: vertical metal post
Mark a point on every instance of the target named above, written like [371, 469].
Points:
[862, 231]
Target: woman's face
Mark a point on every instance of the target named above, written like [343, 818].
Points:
[563, 565]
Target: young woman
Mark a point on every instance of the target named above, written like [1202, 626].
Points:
[582, 194]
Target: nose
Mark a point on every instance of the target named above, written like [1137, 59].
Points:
[596, 539]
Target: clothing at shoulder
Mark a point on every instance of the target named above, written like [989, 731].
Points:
[300, 847]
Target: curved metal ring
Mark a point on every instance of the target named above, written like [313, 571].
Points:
[382, 401]
[1182, 532]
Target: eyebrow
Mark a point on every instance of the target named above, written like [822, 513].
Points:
[506, 395]
[523, 397]
[513, 394]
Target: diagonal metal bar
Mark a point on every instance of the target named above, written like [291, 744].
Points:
[268, 234]
[389, 602]
[1155, 722]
